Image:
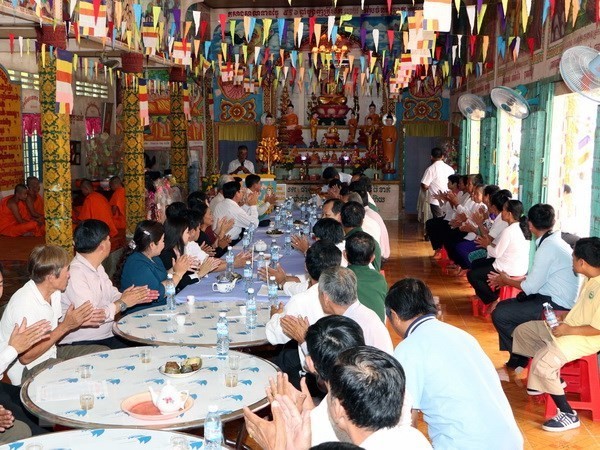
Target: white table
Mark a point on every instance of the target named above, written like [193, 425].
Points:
[101, 439]
[157, 326]
[119, 374]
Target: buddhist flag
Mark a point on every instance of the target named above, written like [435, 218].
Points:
[143, 95]
[182, 52]
[149, 38]
[90, 25]
[440, 10]
[64, 82]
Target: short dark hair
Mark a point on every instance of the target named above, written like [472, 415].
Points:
[364, 183]
[195, 198]
[336, 445]
[370, 386]
[242, 147]
[230, 189]
[194, 217]
[500, 198]
[175, 209]
[335, 182]
[251, 180]
[360, 248]
[89, 234]
[437, 152]
[453, 179]
[409, 298]
[328, 229]
[320, 256]
[353, 214]
[328, 337]
[329, 173]
[336, 205]
[588, 249]
[476, 178]
[541, 216]
[490, 190]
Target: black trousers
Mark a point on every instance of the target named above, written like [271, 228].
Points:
[509, 314]
[477, 276]
[436, 230]
[451, 240]
[10, 398]
[436, 210]
[288, 360]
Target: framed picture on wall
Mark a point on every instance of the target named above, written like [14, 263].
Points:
[107, 110]
[75, 153]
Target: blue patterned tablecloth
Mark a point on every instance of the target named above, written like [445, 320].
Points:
[53, 394]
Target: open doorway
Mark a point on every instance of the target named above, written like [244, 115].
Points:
[571, 161]
[509, 152]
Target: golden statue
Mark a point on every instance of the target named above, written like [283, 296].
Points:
[332, 137]
[269, 129]
[352, 127]
[314, 123]
[290, 119]
[389, 137]
[369, 130]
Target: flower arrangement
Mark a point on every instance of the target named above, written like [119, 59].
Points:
[288, 162]
[208, 184]
[268, 151]
[104, 156]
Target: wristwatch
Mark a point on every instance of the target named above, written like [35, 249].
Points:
[122, 305]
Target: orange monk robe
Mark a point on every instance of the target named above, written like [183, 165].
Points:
[95, 206]
[117, 204]
[389, 136]
[10, 226]
[290, 119]
[38, 205]
[375, 120]
[268, 131]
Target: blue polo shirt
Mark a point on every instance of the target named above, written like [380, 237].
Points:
[455, 385]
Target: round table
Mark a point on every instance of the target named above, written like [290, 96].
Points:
[53, 394]
[101, 438]
[157, 326]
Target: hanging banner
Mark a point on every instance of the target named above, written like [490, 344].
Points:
[11, 135]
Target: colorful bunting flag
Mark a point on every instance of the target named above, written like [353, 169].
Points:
[64, 82]
[143, 96]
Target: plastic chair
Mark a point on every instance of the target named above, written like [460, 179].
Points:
[582, 378]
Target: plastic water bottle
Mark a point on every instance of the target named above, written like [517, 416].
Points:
[229, 258]
[170, 292]
[274, 253]
[260, 261]
[306, 228]
[246, 242]
[222, 335]
[250, 310]
[213, 429]
[273, 298]
[251, 230]
[248, 274]
[303, 211]
[549, 315]
[287, 243]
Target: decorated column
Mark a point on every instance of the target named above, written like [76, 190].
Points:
[133, 142]
[179, 152]
[56, 135]
[211, 144]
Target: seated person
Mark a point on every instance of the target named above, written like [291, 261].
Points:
[384, 239]
[320, 256]
[88, 281]
[353, 214]
[14, 216]
[372, 287]
[294, 131]
[551, 279]
[511, 253]
[214, 238]
[269, 130]
[34, 201]
[241, 163]
[95, 206]
[361, 182]
[219, 197]
[254, 185]
[369, 225]
[15, 422]
[470, 415]
[117, 203]
[332, 209]
[331, 173]
[437, 227]
[141, 264]
[177, 236]
[577, 336]
[243, 216]
[39, 299]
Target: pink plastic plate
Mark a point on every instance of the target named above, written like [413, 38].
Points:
[141, 407]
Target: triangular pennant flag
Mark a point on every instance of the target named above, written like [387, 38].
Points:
[330, 22]
[472, 42]
[531, 45]
[334, 34]
[137, 13]
[245, 52]
[203, 27]
[567, 9]
[575, 13]
[485, 46]
[344, 18]
[188, 25]
[72, 4]
[118, 7]
[247, 28]
[11, 39]
[280, 29]
[311, 28]
[223, 22]
[252, 26]
[317, 34]
[155, 16]
[266, 27]
[294, 57]
[232, 31]
[256, 54]
[224, 50]
[501, 46]
[516, 48]
[375, 34]
[96, 5]
[525, 11]
[390, 35]
[300, 33]
[545, 11]
[21, 46]
[297, 21]
[480, 16]
[196, 47]
[196, 16]
[471, 16]
[457, 5]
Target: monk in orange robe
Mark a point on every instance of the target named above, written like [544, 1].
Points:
[95, 206]
[14, 216]
[117, 203]
[268, 130]
[34, 201]
[389, 137]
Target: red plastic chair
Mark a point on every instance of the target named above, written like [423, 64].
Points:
[582, 378]
[480, 309]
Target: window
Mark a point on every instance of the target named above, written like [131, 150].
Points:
[32, 155]
[27, 80]
[85, 89]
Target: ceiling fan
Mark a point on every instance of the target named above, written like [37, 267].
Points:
[110, 63]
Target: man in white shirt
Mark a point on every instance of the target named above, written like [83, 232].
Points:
[88, 281]
[241, 163]
[243, 216]
[253, 184]
[39, 299]
[219, 197]
[331, 173]
[435, 179]
[369, 225]
[320, 256]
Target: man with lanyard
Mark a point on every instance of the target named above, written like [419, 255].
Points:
[456, 385]
[550, 279]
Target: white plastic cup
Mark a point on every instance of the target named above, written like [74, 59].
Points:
[191, 299]
[180, 319]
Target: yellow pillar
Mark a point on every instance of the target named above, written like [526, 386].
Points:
[133, 142]
[56, 151]
[179, 151]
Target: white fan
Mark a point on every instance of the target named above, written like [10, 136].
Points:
[471, 106]
[510, 101]
[580, 68]
[110, 63]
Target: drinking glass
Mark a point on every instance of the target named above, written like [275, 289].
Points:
[234, 362]
[85, 371]
[86, 401]
[145, 355]
[231, 379]
[179, 443]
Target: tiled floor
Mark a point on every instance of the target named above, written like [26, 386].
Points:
[411, 258]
